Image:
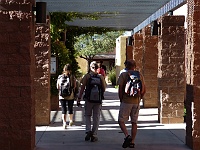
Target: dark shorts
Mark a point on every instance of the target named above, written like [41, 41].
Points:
[64, 103]
[128, 110]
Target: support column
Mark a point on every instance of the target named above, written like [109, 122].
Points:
[120, 54]
[129, 50]
[171, 77]
[17, 68]
[150, 64]
[42, 76]
[138, 50]
[193, 76]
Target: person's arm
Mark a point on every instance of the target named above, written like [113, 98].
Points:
[103, 83]
[143, 86]
[103, 73]
[57, 84]
[120, 92]
[121, 88]
[82, 85]
[81, 91]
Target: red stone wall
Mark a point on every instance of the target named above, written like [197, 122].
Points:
[193, 76]
[129, 52]
[138, 50]
[171, 70]
[17, 115]
[42, 75]
[150, 65]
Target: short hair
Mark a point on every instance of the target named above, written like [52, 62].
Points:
[130, 64]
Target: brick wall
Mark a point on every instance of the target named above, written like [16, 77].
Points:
[193, 76]
[129, 51]
[138, 50]
[42, 74]
[17, 115]
[171, 77]
[150, 65]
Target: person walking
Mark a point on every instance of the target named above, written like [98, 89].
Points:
[100, 70]
[66, 84]
[130, 105]
[103, 67]
[93, 85]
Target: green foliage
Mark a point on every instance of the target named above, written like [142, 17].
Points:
[65, 51]
[89, 45]
[112, 76]
[59, 50]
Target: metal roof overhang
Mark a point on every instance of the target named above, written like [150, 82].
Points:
[121, 14]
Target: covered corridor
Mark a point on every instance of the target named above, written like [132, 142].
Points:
[151, 134]
[171, 57]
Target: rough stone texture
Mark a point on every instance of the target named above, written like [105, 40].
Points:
[193, 76]
[150, 65]
[42, 75]
[17, 68]
[129, 51]
[54, 103]
[171, 69]
[138, 50]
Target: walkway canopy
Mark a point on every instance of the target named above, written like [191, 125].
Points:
[119, 14]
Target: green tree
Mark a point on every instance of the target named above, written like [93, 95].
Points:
[89, 45]
[65, 51]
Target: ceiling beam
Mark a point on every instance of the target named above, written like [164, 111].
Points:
[170, 6]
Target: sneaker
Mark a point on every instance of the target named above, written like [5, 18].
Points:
[127, 141]
[94, 138]
[64, 125]
[71, 123]
[88, 136]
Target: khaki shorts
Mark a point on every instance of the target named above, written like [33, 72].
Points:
[128, 110]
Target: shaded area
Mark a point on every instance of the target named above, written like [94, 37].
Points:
[151, 134]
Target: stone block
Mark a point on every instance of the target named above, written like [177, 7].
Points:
[54, 103]
[165, 120]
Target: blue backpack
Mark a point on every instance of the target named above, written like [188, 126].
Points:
[93, 92]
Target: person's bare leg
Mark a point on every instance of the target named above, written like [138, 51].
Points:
[64, 121]
[70, 119]
[133, 131]
[123, 128]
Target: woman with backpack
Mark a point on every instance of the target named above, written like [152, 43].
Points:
[66, 84]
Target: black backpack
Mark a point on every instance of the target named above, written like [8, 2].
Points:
[65, 87]
[93, 91]
[133, 85]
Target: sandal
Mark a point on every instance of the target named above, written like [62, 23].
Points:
[127, 141]
[132, 145]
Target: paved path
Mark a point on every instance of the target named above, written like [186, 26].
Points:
[151, 134]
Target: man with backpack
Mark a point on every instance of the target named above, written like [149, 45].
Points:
[131, 90]
[94, 85]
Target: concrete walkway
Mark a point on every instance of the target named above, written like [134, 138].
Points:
[151, 135]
